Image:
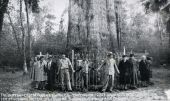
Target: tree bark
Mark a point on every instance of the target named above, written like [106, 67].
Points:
[28, 30]
[118, 28]
[109, 26]
[88, 20]
[23, 36]
[22, 27]
[69, 25]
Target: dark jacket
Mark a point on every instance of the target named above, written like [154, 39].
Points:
[144, 70]
[133, 71]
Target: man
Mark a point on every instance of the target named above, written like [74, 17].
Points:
[65, 64]
[84, 67]
[51, 65]
[110, 69]
[133, 71]
[77, 74]
[123, 68]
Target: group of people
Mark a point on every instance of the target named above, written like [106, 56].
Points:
[134, 73]
[38, 72]
[44, 69]
[130, 72]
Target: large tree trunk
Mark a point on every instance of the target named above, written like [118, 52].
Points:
[3, 7]
[110, 14]
[69, 25]
[88, 20]
[118, 23]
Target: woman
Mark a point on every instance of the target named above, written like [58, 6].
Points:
[42, 73]
[35, 73]
[144, 68]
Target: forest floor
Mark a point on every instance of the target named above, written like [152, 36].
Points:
[16, 83]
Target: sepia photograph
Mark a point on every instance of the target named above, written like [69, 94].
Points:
[84, 50]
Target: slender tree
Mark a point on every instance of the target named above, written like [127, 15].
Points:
[22, 26]
[14, 33]
[23, 38]
[28, 27]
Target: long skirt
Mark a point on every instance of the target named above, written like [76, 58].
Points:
[36, 73]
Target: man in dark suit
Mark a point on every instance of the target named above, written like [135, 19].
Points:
[51, 65]
[123, 68]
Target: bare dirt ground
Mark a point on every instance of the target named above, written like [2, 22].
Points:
[19, 84]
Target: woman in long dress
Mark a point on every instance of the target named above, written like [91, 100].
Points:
[35, 73]
[42, 73]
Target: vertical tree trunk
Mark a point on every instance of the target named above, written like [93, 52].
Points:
[23, 39]
[88, 20]
[168, 29]
[28, 30]
[22, 27]
[159, 29]
[1, 21]
[69, 25]
[120, 31]
[117, 13]
[109, 26]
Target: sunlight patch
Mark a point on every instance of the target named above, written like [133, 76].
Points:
[167, 92]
